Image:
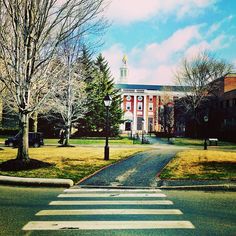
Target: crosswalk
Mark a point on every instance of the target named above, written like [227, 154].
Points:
[109, 209]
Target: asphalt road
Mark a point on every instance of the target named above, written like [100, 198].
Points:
[140, 170]
[212, 213]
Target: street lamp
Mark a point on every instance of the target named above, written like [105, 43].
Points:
[130, 122]
[205, 141]
[142, 131]
[107, 101]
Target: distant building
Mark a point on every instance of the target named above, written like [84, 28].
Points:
[222, 110]
[142, 104]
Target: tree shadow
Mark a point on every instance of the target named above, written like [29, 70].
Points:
[222, 166]
[18, 165]
[68, 145]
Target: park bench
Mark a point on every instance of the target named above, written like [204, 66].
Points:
[213, 141]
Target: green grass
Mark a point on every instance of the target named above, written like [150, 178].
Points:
[86, 141]
[200, 143]
[74, 163]
[201, 164]
[95, 141]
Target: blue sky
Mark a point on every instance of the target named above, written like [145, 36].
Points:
[157, 34]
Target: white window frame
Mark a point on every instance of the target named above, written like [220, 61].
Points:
[128, 105]
[150, 107]
[140, 106]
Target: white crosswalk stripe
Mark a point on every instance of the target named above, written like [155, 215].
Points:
[98, 225]
[114, 204]
[110, 212]
[133, 202]
[82, 195]
[81, 190]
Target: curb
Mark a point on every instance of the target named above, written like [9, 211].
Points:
[41, 182]
[202, 187]
[190, 184]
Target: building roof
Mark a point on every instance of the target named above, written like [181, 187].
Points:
[152, 87]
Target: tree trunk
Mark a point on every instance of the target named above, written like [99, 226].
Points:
[35, 122]
[67, 136]
[23, 148]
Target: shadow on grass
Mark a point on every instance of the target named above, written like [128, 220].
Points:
[68, 145]
[18, 165]
[222, 166]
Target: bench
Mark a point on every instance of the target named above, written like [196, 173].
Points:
[213, 140]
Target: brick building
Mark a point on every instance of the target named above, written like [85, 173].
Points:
[142, 104]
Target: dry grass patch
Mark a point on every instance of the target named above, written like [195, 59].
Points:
[74, 163]
[201, 164]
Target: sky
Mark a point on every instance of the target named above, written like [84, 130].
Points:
[156, 35]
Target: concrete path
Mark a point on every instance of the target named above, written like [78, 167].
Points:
[140, 170]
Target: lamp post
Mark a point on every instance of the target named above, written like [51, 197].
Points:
[142, 131]
[107, 101]
[130, 121]
[205, 141]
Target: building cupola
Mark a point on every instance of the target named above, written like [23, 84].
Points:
[123, 71]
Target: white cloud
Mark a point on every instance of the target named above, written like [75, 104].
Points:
[218, 25]
[176, 43]
[114, 55]
[128, 11]
[196, 48]
[220, 42]
[157, 62]
[234, 64]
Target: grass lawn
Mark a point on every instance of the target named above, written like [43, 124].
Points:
[73, 163]
[95, 141]
[85, 141]
[202, 164]
[200, 142]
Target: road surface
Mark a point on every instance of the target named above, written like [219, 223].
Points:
[211, 213]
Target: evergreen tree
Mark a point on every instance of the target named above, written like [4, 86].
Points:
[99, 84]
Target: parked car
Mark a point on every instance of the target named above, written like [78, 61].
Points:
[35, 140]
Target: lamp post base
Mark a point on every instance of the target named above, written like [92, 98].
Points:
[106, 153]
[205, 144]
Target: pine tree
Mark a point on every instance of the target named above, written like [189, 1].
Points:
[99, 84]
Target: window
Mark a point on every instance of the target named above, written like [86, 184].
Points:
[127, 126]
[221, 104]
[140, 106]
[227, 103]
[150, 107]
[140, 98]
[128, 106]
[234, 102]
[128, 98]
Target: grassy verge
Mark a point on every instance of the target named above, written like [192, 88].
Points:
[200, 142]
[92, 141]
[74, 163]
[85, 141]
[200, 164]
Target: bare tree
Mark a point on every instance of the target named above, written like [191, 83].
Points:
[196, 77]
[30, 33]
[167, 112]
[70, 98]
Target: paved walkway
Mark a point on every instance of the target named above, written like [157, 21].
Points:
[140, 170]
